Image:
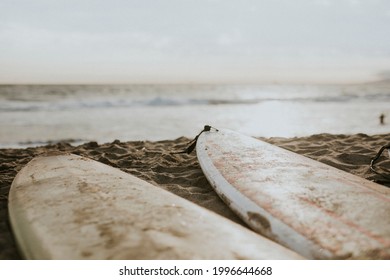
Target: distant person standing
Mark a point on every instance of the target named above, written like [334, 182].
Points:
[382, 119]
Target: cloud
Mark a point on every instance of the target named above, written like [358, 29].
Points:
[166, 35]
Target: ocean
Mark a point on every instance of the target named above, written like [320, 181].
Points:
[33, 115]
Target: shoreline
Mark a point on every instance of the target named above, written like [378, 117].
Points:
[181, 173]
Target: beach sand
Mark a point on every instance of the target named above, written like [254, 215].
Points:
[181, 173]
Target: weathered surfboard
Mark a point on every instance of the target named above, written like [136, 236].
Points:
[71, 207]
[312, 208]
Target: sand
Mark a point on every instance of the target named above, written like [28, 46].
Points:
[181, 174]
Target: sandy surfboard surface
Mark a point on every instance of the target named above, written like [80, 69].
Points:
[308, 206]
[71, 207]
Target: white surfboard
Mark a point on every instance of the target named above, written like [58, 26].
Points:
[71, 207]
[312, 208]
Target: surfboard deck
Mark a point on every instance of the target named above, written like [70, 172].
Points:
[71, 207]
[314, 209]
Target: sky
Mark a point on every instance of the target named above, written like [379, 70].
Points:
[199, 41]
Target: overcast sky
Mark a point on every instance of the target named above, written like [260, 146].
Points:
[124, 41]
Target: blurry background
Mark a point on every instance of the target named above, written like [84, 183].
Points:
[162, 69]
